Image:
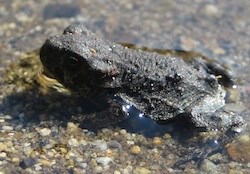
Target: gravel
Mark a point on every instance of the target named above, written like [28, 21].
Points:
[49, 131]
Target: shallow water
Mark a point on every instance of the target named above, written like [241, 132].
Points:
[218, 30]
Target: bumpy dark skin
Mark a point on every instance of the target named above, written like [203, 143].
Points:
[164, 88]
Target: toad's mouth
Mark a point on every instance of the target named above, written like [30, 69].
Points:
[47, 82]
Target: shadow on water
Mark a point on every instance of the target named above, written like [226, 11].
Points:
[31, 107]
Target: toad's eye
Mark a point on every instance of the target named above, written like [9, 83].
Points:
[71, 63]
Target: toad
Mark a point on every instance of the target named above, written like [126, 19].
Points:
[161, 87]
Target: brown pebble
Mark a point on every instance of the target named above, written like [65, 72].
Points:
[135, 150]
[239, 150]
[109, 153]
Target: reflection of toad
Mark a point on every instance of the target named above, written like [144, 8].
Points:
[162, 87]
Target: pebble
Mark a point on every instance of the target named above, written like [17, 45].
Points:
[83, 142]
[101, 145]
[157, 141]
[72, 127]
[141, 170]
[3, 146]
[114, 144]
[15, 160]
[130, 142]
[3, 155]
[27, 162]
[239, 150]
[127, 170]
[83, 165]
[123, 131]
[235, 171]
[219, 51]
[27, 144]
[209, 167]
[38, 167]
[9, 143]
[73, 142]
[44, 131]
[117, 172]
[98, 169]
[211, 10]
[109, 153]
[104, 160]
[7, 128]
[135, 150]
[45, 162]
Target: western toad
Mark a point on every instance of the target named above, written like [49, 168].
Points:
[162, 87]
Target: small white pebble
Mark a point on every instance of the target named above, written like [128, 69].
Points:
[130, 142]
[26, 144]
[83, 165]
[7, 128]
[73, 142]
[104, 160]
[10, 134]
[102, 145]
[3, 155]
[7, 117]
[98, 169]
[44, 132]
[123, 131]
[38, 167]
[117, 172]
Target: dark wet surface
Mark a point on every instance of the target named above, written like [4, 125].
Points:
[218, 30]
